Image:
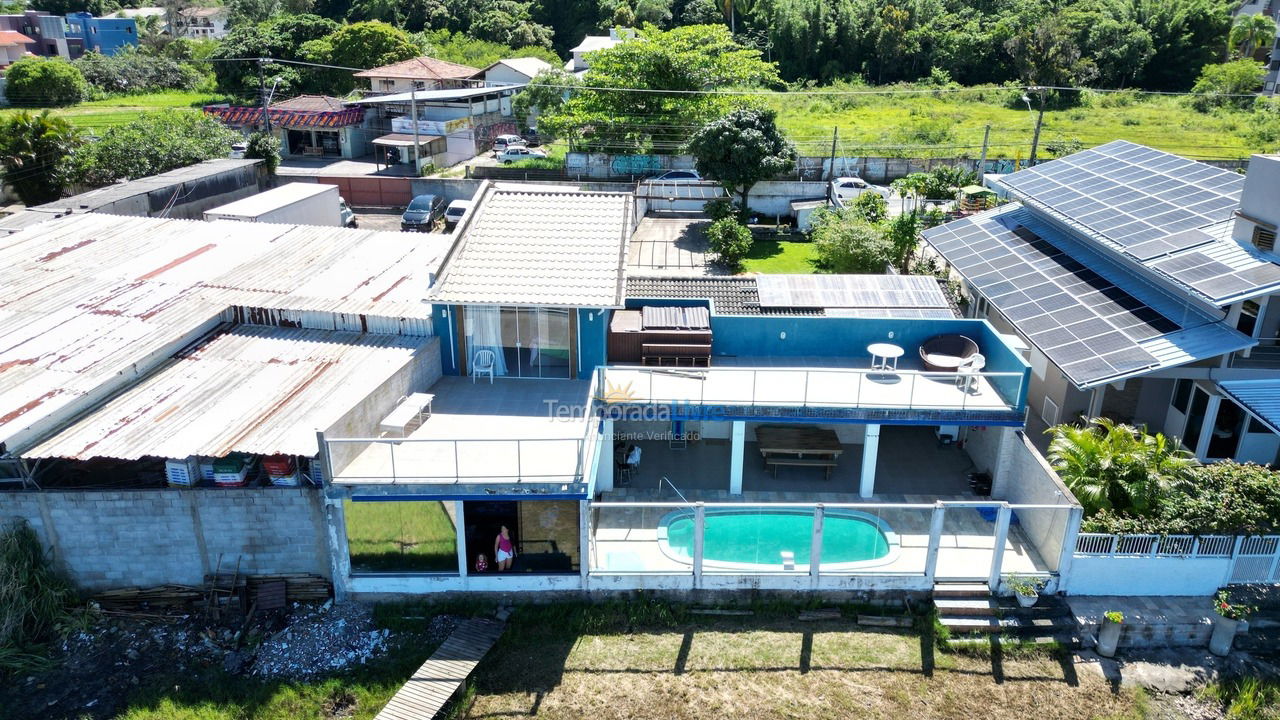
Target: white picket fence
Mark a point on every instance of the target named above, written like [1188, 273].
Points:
[1254, 558]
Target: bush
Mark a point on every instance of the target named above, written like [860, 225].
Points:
[1226, 498]
[44, 82]
[845, 243]
[134, 72]
[33, 597]
[1230, 84]
[729, 240]
[154, 143]
[870, 206]
[266, 147]
[720, 208]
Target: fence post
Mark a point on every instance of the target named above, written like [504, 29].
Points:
[997, 550]
[815, 546]
[392, 448]
[1070, 538]
[935, 541]
[699, 524]
[1235, 557]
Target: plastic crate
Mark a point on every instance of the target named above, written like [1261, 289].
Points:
[281, 465]
[182, 473]
[293, 480]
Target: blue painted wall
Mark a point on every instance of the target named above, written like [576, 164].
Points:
[104, 35]
[593, 326]
[442, 319]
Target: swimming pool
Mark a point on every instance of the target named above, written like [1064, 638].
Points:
[754, 538]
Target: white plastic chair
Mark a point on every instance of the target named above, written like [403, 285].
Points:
[482, 364]
[967, 373]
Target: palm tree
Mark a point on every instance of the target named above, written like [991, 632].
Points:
[34, 150]
[1108, 465]
[1251, 32]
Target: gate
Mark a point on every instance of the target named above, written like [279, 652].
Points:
[373, 190]
[1257, 561]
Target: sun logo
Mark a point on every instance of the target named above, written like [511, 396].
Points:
[614, 394]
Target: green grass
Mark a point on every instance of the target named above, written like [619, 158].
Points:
[781, 256]
[404, 536]
[1247, 698]
[98, 115]
[951, 125]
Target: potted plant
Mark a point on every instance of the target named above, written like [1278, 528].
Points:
[1025, 588]
[1109, 634]
[1226, 623]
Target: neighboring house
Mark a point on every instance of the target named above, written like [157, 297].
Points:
[452, 125]
[1147, 287]
[1271, 82]
[512, 71]
[307, 125]
[13, 46]
[579, 62]
[108, 36]
[46, 30]
[420, 73]
[203, 22]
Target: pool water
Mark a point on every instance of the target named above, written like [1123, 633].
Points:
[759, 536]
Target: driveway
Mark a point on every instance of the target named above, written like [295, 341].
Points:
[671, 246]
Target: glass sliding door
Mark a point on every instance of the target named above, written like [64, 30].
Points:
[550, 343]
[527, 342]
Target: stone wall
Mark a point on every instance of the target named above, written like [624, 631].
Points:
[555, 520]
[108, 539]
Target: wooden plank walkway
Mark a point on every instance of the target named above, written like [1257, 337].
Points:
[433, 684]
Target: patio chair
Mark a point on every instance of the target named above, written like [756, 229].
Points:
[946, 353]
[482, 364]
[967, 374]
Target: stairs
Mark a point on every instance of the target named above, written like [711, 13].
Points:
[970, 611]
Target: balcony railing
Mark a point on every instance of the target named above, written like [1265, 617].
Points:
[1265, 355]
[407, 460]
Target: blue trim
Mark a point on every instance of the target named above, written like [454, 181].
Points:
[464, 498]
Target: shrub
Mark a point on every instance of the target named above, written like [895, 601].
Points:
[1229, 84]
[729, 240]
[720, 208]
[44, 82]
[154, 143]
[870, 206]
[845, 243]
[33, 597]
[132, 71]
[266, 147]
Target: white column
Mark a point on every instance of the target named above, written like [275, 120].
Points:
[604, 456]
[815, 548]
[735, 457]
[997, 550]
[935, 541]
[699, 525]
[1095, 401]
[460, 531]
[585, 550]
[870, 448]
[1210, 422]
[1069, 536]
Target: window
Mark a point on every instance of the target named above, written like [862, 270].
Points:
[401, 537]
[1264, 239]
[1247, 323]
[1257, 427]
[1181, 393]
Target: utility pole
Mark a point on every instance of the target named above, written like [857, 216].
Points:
[982, 164]
[262, 94]
[413, 114]
[1035, 140]
[831, 171]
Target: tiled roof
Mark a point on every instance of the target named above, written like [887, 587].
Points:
[533, 247]
[316, 103]
[728, 295]
[422, 68]
[13, 37]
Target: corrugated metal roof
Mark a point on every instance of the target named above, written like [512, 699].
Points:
[1260, 397]
[93, 301]
[530, 247]
[875, 292]
[260, 390]
[736, 295]
[666, 317]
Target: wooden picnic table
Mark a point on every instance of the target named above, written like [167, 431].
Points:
[798, 445]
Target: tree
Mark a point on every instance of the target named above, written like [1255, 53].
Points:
[465, 50]
[693, 58]
[510, 23]
[741, 149]
[870, 206]
[371, 44]
[701, 12]
[47, 82]
[1231, 83]
[1112, 466]
[903, 234]
[35, 149]
[730, 240]
[544, 94]
[282, 38]
[845, 243]
[266, 147]
[1251, 33]
[153, 143]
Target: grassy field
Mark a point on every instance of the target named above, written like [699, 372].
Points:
[780, 256]
[98, 115]
[387, 536]
[952, 125]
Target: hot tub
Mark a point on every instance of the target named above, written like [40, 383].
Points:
[753, 539]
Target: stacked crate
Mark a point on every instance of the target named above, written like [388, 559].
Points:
[281, 470]
[231, 471]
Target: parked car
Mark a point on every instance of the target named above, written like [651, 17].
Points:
[531, 137]
[422, 213]
[518, 152]
[678, 176]
[848, 188]
[502, 142]
[238, 150]
[345, 212]
[455, 212]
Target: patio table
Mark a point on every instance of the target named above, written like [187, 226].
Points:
[885, 353]
[798, 445]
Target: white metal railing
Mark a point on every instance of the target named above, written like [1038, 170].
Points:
[1253, 558]
[814, 388]
[398, 460]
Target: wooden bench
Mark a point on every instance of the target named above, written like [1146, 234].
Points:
[313, 151]
[676, 354]
[773, 461]
[409, 408]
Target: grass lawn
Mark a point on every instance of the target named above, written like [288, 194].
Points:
[582, 665]
[98, 115]
[880, 125]
[780, 256]
[385, 536]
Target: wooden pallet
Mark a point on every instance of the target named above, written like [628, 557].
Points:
[431, 687]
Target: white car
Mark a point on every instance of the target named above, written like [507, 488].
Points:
[502, 142]
[455, 212]
[848, 188]
[678, 176]
[518, 152]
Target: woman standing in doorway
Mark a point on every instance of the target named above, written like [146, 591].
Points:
[503, 549]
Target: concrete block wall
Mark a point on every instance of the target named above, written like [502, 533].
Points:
[109, 539]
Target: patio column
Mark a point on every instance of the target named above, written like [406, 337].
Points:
[459, 528]
[604, 474]
[735, 458]
[870, 448]
[1003, 516]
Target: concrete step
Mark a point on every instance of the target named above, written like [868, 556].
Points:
[1067, 640]
[1010, 625]
[1000, 607]
[961, 590]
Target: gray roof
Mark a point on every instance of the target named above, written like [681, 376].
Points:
[741, 295]
[434, 95]
[1260, 397]
[535, 247]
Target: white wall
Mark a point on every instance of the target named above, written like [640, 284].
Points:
[1258, 198]
[1147, 576]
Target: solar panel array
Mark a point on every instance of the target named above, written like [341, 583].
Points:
[1084, 323]
[1133, 195]
[850, 291]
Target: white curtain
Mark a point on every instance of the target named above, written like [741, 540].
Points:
[484, 332]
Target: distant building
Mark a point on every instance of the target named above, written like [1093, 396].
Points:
[307, 125]
[45, 30]
[420, 73]
[591, 43]
[86, 33]
[13, 45]
[203, 22]
[512, 71]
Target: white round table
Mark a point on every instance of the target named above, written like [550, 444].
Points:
[884, 356]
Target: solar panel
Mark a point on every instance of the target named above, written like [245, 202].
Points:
[850, 291]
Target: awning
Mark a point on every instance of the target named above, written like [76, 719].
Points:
[240, 116]
[404, 140]
[1260, 397]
